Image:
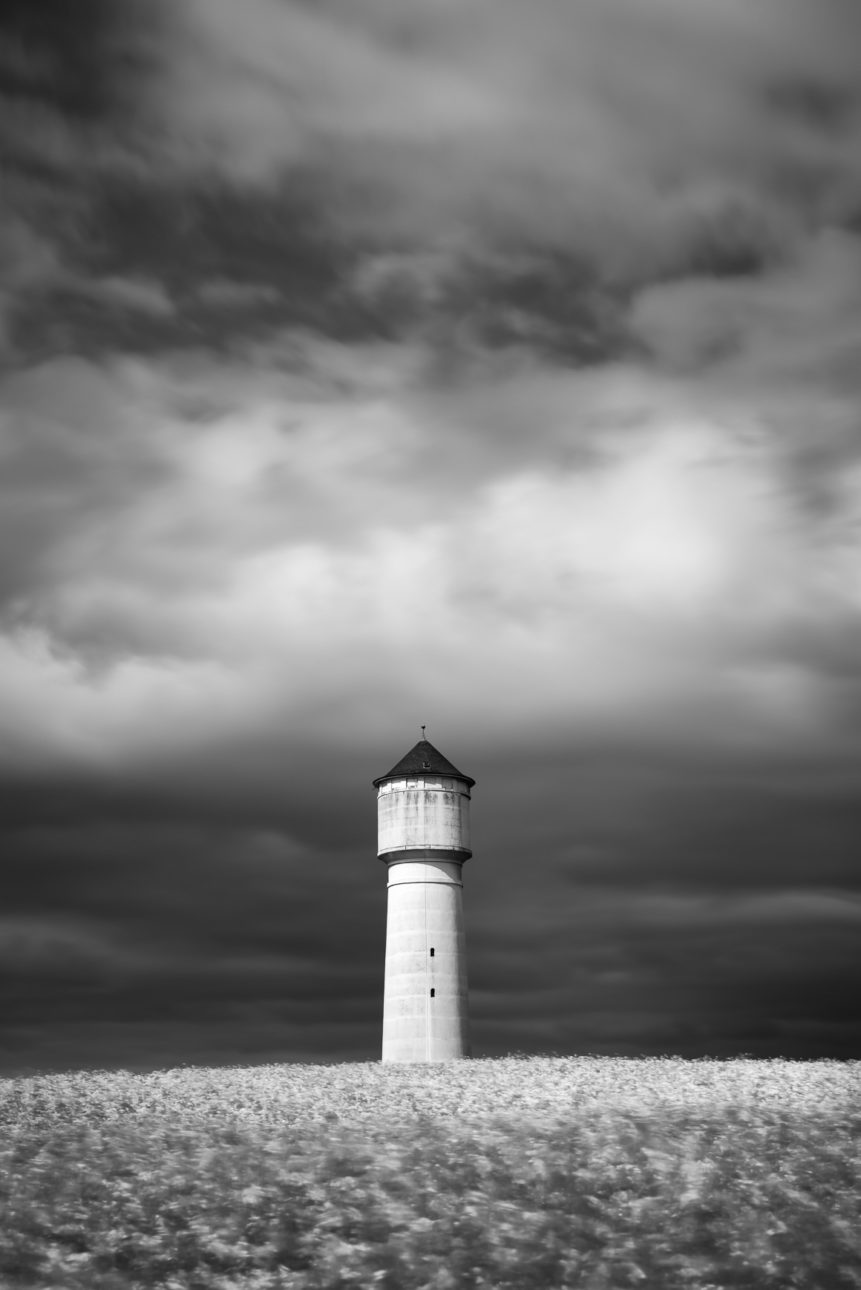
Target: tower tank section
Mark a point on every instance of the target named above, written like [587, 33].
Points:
[424, 841]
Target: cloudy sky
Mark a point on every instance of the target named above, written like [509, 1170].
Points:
[493, 364]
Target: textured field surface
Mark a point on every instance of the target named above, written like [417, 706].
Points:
[582, 1172]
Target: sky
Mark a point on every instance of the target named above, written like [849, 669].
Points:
[489, 364]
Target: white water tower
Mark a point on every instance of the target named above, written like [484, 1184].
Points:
[423, 821]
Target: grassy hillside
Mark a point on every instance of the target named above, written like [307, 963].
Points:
[589, 1172]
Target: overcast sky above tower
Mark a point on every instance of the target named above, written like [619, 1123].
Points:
[493, 364]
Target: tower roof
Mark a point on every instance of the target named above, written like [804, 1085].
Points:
[424, 759]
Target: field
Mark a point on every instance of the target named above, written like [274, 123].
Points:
[548, 1172]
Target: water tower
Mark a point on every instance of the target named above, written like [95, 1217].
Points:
[423, 838]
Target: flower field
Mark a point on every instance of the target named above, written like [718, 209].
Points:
[545, 1172]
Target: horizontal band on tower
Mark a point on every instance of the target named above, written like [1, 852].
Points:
[425, 882]
[404, 854]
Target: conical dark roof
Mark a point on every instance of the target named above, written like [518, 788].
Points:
[424, 759]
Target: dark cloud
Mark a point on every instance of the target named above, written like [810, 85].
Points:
[364, 364]
[83, 62]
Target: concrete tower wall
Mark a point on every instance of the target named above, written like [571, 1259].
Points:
[425, 1002]
[423, 811]
[424, 840]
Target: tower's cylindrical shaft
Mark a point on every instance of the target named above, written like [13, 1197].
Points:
[425, 1000]
[424, 841]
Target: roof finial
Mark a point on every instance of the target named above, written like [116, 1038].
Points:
[423, 732]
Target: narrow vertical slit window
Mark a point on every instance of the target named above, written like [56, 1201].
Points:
[433, 992]
[431, 949]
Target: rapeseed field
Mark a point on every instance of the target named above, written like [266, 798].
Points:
[598, 1173]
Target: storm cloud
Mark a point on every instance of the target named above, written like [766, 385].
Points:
[486, 365]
